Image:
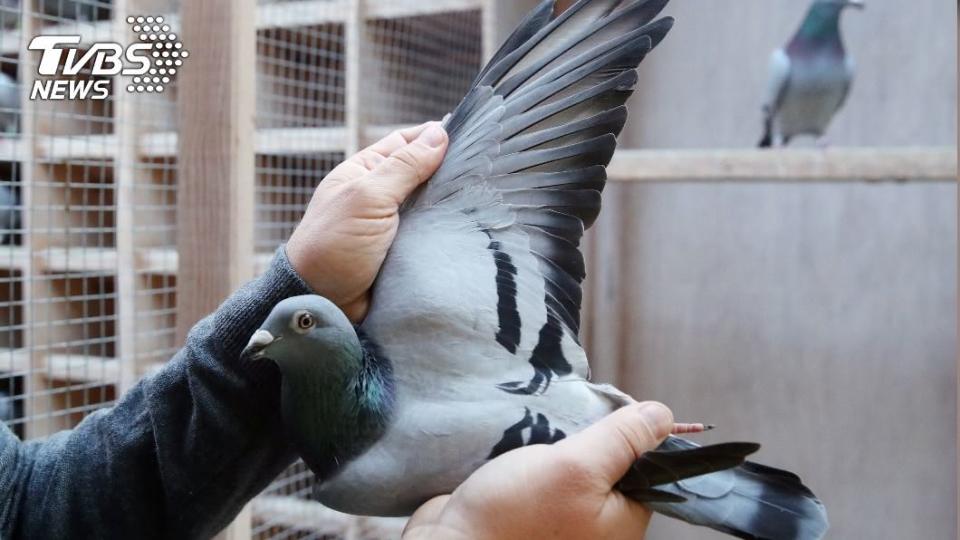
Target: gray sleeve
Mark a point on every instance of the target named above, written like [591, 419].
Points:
[178, 456]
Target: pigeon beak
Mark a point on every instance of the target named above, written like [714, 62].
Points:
[259, 341]
[859, 4]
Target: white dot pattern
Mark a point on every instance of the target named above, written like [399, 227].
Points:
[165, 53]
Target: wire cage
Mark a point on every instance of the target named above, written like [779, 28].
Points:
[94, 290]
[81, 207]
[302, 104]
[89, 219]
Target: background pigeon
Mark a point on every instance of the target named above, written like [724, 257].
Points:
[9, 104]
[9, 14]
[6, 407]
[810, 78]
[9, 214]
[78, 10]
[470, 347]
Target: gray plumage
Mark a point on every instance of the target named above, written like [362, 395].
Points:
[9, 14]
[810, 77]
[470, 348]
[9, 214]
[9, 104]
[57, 10]
[78, 10]
[7, 413]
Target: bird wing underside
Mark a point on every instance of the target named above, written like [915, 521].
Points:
[526, 165]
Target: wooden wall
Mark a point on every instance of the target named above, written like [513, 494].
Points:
[820, 319]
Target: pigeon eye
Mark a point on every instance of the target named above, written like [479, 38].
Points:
[305, 321]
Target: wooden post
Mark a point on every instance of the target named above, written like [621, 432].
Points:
[216, 184]
[355, 37]
[489, 34]
[125, 157]
[216, 169]
[500, 17]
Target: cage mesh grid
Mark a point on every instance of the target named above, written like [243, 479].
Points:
[301, 99]
[60, 305]
[420, 67]
[414, 69]
[13, 368]
[62, 361]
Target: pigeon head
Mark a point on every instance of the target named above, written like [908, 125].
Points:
[821, 27]
[306, 333]
[840, 4]
[825, 10]
[337, 393]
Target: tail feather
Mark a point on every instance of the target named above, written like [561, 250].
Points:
[665, 466]
[750, 501]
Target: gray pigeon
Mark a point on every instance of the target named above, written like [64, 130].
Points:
[9, 14]
[470, 347]
[9, 104]
[810, 78]
[7, 413]
[78, 10]
[9, 214]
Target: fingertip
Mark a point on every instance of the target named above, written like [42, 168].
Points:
[434, 136]
[410, 134]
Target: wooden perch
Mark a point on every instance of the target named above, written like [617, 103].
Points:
[786, 165]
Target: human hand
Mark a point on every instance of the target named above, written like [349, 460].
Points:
[561, 491]
[352, 219]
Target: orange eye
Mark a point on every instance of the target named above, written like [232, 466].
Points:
[305, 321]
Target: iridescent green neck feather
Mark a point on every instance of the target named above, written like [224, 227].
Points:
[337, 401]
[820, 29]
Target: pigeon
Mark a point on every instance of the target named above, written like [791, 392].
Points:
[9, 214]
[78, 10]
[470, 347]
[810, 78]
[9, 104]
[7, 413]
[9, 14]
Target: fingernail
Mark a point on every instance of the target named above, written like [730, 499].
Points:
[434, 136]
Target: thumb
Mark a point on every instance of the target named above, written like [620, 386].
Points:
[412, 164]
[610, 446]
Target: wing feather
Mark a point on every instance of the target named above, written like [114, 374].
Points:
[526, 166]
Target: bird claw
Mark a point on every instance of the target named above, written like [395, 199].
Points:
[686, 429]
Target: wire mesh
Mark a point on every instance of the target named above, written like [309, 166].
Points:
[62, 252]
[412, 69]
[420, 67]
[14, 364]
[88, 199]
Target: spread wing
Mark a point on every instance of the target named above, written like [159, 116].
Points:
[525, 169]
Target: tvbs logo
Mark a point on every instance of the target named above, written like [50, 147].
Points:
[152, 63]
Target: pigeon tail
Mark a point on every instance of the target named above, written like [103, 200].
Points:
[750, 501]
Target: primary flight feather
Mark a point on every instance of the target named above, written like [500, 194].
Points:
[470, 347]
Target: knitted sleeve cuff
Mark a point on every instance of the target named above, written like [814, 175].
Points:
[246, 309]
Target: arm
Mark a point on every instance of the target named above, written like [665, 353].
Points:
[178, 456]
